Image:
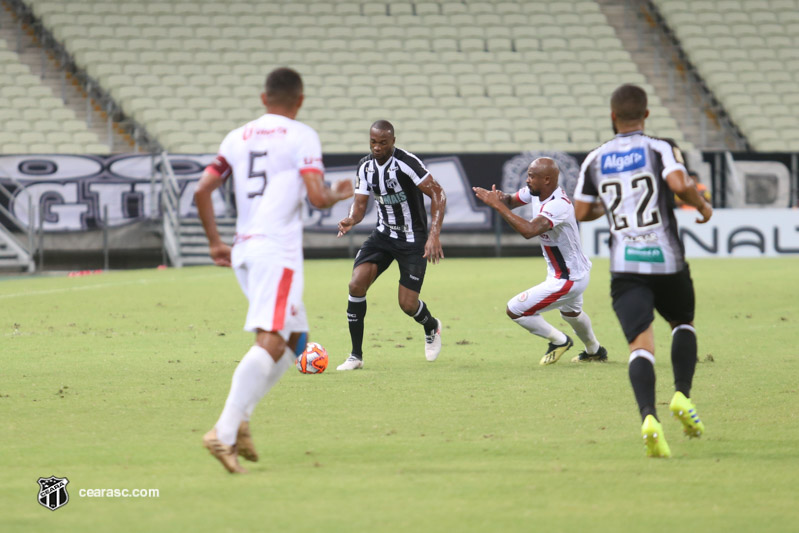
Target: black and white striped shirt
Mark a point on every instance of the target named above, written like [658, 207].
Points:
[400, 204]
[628, 174]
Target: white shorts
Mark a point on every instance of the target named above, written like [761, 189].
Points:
[553, 293]
[274, 292]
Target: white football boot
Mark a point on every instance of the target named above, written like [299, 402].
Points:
[432, 343]
[352, 363]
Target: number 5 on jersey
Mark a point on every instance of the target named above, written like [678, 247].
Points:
[256, 188]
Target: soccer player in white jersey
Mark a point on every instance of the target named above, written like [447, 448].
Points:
[633, 178]
[568, 270]
[275, 162]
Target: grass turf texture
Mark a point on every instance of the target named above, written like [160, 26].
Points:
[111, 380]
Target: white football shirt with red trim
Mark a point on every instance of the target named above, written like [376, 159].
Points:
[265, 157]
[561, 244]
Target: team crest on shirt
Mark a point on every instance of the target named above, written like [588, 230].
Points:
[523, 297]
[392, 182]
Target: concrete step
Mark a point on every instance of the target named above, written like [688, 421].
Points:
[669, 83]
[21, 38]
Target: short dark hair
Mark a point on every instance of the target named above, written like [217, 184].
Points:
[283, 86]
[629, 103]
[383, 125]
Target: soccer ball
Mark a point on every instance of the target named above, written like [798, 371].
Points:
[313, 360]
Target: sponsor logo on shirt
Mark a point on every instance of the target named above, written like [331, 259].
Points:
[249, 130]
[394, 227]
[616, 162]
[648, 237]
[651, 254]
[391, 199]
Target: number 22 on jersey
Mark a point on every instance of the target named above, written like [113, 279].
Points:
[615, 194]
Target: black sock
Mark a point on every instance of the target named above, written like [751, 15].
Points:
[424, 317]
[356, 312]
[683, 358]
[642, 378]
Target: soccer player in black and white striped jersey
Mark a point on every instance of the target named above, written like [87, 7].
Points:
[632, 178]
[398, 180]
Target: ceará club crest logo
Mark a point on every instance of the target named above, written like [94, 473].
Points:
[53, 492]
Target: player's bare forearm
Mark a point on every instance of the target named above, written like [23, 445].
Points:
[692, 197]
[438, 205]
[205, 206]
[685, 189]
[526, 228]
[320, 195]
[219, 251]
[438, 202]
[355, 216]
[587, 211]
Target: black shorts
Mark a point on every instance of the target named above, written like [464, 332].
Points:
[382, 250]
[636, 296]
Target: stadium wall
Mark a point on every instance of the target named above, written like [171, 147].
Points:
[71, 195]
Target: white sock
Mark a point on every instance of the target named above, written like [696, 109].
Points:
[536, 325]
[285, 362]
[582, 327]
[248, 386]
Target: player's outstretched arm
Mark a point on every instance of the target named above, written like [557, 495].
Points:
[433, 251]
[685, 188]
[219, 251]
[526, 228]
[320, 195]
[585, 211]
[356, 214]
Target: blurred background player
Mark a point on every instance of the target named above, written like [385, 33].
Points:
[631, 178]
[700, 187]
[397, 179]
[275, 162]
[568, 269]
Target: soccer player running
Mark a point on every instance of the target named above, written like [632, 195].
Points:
[568, 269]
[275, 162]
[632, 178]
[397, 179]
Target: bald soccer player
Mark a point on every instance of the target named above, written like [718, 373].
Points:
[568, 269]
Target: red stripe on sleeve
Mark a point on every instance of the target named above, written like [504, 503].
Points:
[549, 300]
[283, 288]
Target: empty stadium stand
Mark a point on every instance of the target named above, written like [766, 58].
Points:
[453, 76]
[34, 119]
[748, 53]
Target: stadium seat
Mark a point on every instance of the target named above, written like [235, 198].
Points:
[755, 40]
[406, 45]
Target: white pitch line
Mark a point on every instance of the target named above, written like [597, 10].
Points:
[105, 285]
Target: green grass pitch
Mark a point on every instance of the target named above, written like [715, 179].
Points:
[111, 380]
